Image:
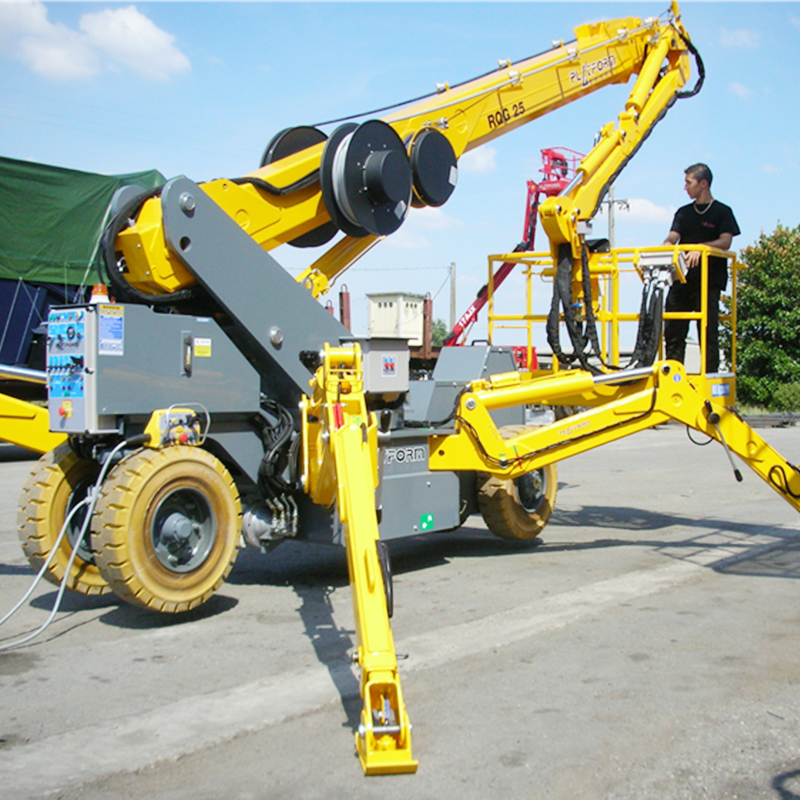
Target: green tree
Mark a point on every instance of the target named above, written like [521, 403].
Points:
[768, 322]
[439, 332]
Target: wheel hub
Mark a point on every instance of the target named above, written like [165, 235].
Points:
[183, 530]
[532, 488]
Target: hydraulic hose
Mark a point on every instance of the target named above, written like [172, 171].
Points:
[648, 334]
[701, 68]
[120, 288]
[260, 183]
[562, 297]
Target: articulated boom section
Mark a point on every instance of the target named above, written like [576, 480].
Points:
[343, 458]
[361, 180]
[624, 403]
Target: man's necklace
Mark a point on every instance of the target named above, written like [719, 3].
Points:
[705, 209]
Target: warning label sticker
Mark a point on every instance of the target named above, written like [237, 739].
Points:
[202, 348]
[111, 330]
[389, 367]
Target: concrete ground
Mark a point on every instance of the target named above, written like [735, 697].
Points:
[647, 648]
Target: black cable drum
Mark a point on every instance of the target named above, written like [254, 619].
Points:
[366, 179]
[286, 143]
[433, 167]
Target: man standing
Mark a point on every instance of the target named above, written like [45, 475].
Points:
[703, 221]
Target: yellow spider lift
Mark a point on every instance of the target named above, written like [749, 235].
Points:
[260, 450]
[304, 191]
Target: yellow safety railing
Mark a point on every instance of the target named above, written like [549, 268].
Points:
[611, 273]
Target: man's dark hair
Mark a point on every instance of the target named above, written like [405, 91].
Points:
[700, 172]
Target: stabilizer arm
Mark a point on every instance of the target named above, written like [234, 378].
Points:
[629, 402]
[340, 462]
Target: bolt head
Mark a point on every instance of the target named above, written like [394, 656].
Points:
[276, 335]
[188, 203]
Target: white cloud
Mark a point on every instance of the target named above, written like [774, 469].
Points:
[771, 169]
[61, 58]
[742, 38]
[740, 90]
[51, 50]
[412, 234]
[20, 19]
[126, 35]
[641, 210]
[122, 36]
[407, 240]
[481, 159]
[432, 219]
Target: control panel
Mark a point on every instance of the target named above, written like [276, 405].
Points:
[68, 356]
[109, 362]
[76, 337]
[175, 426]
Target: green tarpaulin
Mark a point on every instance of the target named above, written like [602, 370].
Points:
[51, 220]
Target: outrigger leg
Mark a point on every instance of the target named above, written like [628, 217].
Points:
[340, 461]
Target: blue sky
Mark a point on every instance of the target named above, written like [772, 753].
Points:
[200, 88]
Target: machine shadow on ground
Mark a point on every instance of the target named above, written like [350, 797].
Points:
[732, 542]
[10, 453]
[314, 572]
[123, 615]
[787, 785]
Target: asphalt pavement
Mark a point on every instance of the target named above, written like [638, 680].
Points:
[647, 647]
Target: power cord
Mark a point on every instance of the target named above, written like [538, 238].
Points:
[91, 500]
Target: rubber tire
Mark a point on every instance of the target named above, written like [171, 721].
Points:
[120, 536]
[500, 506]
[42, 510]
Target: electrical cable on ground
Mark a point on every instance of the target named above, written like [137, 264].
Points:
[46, 564]
[91, 500]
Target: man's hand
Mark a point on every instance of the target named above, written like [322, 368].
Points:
[693, 258]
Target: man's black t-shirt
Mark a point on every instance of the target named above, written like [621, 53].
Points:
[695, 227]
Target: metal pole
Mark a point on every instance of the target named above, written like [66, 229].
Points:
[611, 216]
[452, 295]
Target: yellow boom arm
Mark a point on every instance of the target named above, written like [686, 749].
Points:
[664, 73]
[631, 401]
[285, 199]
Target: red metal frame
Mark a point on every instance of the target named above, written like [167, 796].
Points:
[558, 167]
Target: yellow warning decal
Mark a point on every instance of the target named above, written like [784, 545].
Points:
[202, 348]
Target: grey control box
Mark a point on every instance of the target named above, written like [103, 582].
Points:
[108, 361]
[385, 364]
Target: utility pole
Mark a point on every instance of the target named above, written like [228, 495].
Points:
[452, 295]
[611, 202]
[611, 215]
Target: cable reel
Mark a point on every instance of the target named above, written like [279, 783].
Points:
[369, 181]
[434, 168]
[365, 177]
[286, 143]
